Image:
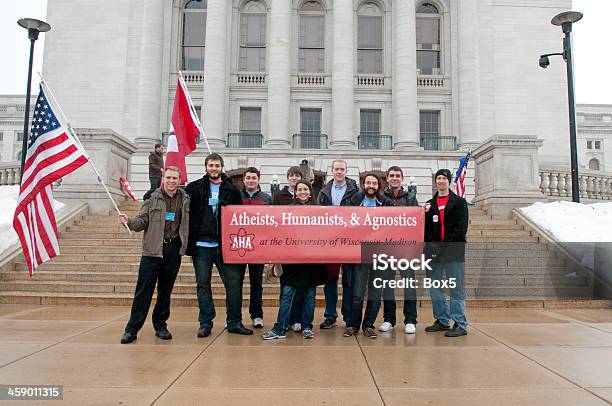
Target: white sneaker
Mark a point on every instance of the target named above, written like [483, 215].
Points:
[258, 322]
[297, 327]
[410, 328]
[386, 326]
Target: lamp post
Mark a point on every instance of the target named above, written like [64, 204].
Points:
[565, 20]
[34, 27]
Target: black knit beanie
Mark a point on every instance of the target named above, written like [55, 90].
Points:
[444, 172]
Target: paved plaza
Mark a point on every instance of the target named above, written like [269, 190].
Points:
[509, 357]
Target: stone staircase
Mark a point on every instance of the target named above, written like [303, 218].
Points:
[99, 266]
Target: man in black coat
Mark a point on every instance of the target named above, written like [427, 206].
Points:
[338, 192]
[395, 191]
[208, 196]
[364, 275]
[446, 225]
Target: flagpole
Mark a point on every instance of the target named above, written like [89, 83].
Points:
[76, 139]
[192, 109]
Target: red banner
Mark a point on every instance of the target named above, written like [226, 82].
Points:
[315, 234]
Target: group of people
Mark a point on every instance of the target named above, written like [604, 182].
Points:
[178, 222]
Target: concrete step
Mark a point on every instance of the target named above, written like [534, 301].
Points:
[480, 220]
[188, 267]
[490, 298]
[495, 227]
[473, 286]
[185, 277]
[494, 233]
[73, 235]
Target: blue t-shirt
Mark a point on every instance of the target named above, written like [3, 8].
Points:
[213, 201]
[368, 202]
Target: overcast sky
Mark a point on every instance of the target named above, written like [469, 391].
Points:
[592, 55]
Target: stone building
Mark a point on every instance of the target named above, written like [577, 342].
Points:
[378, 82]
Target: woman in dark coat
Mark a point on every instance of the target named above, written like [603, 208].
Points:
[298, 276]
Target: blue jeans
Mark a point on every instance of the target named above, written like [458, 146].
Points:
[441, 310]
[287, 296]
[297, 306]
[203, 259]
[363, 281]
[331, 294]
[256, 291]
[410, 303]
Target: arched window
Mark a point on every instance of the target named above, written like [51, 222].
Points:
[311, 42]
[252, 57]
[594, 164]
[428, 39]
[370, 38]
[194, 35]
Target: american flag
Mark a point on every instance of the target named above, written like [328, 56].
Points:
[460, 175]
[51, 154]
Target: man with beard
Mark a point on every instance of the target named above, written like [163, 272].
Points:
[252, 195]
[399, 197]
[364, 275]
[208, 196]
[338, 192]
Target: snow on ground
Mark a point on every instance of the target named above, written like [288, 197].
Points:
[8, 201]
[577, 227]
[573, 222]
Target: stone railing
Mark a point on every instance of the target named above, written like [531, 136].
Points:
[370, 80]
[193, 78]
[310, 80]
[593, 185]
[9, 173]
[252, 79]
[430, 81]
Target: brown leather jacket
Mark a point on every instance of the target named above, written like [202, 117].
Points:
[151, 219]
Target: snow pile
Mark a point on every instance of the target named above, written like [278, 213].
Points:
[573, 222]
[8, 201]
[581, 228]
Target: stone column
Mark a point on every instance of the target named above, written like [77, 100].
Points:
[279, 75]
[405, 109]
[150, 72]
[110, 152]
[343, 134]
[469, 74]
[215, 67]
[507, 173]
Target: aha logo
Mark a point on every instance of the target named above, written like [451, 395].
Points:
[242, 242]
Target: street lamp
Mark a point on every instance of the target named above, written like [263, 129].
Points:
[34, 27]
[565, 20]
[412, 187]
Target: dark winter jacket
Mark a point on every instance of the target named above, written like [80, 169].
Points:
[381, 199]
[151, 219]
[156, 163]
[259, 198]
[325, 196]
[283, 197]
[303, 275]
[456, 219]
[201, 214]
[403, 198]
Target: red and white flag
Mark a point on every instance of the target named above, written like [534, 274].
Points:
[184, 130]
[125, 186]
[460, 174]
[51, 154]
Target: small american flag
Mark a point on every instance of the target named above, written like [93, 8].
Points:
[460, 175]
[51, 154]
